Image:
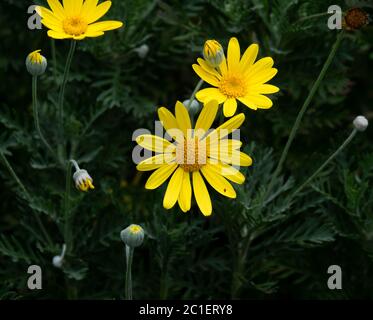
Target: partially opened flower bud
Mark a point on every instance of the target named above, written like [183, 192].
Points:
[36, 64]
[361, 123]
[213, 53]
[83, 180]
[133, 235]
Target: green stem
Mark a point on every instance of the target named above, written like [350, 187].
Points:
[24, 190]
[198, 86]
[66, 208]
[338, 151]
[36, 114]
[129, 259]
[304, 109]
[61, 96]
[54, 57]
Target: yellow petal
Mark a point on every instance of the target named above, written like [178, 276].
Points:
[206, 117]
[260, 65]
[209, 94]
[160, 175]
[57, 9]
[94, 34]
[219, 183]
[104, 26]
[201, 194]
[249, 56]
[227, 171]
[234, 158]
[204, 75]
[156, 162]
[173, 189]
[48, 17]
[183, 119]
[205, 66]
[262, 76]
[70, 7]
[224, 145]
[185, 195]
[226, 128]
[98, 12]
[233, 54]
[155, 143]
[230, 107]
[257, 101]
[264, 89]
[58, 35]
[223, 67]
[88, 7]
[167, 118]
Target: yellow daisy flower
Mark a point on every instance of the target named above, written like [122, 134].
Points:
[76, 19]
[192, 155]
[238, 78]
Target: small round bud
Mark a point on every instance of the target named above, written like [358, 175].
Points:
[142, 51]
[194, 106]
[83, 180]
[213, 53]
[133, 235]
[57, 261]
[361, 123]
[355, 18]
[36, 64]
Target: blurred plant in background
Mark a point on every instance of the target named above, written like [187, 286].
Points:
[116, 83]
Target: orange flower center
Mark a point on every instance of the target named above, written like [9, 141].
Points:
[75, 26]
[232, 86]
[191, 155]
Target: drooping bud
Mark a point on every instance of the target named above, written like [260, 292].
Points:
[36, 64]
[192, 107]
[142, 51]
[213, 53]
[361, 123]
[58, 260]
[133, 235]
[83, 180]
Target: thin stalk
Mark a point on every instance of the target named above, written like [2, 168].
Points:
[198, 86]
[304, 108]
[338, 151]
[61, 96]
[54, 58]
[24, 190]
[129, 259]
[36, 115]
[66, 208]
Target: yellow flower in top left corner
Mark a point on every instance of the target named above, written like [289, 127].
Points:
[76, 19]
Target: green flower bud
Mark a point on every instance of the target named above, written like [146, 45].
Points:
[213, 53]
[133, 235]
[36, 64]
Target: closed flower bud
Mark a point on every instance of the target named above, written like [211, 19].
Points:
[193, 108]
[36, 64]
[361, 123]
[133, 235]
[83, 180]
[213, 53]
[142, 51]
[58, 260]
[355, 19]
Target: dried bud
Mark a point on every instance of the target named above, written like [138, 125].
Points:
[36, 64]
[133, 236]
[213, 53]
[355, 18]
[361, 123]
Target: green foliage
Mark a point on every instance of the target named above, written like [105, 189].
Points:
[245, 250]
